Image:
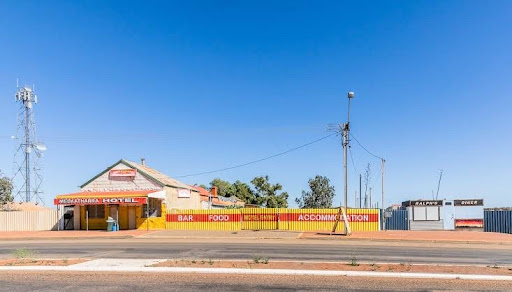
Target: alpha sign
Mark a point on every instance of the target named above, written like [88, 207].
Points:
[471, 202]
[100, 201]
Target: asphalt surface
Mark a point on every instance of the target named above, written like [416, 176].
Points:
[274, 250]
[86, 282]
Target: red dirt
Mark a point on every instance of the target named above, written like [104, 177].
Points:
[30, 262]
[496, 270]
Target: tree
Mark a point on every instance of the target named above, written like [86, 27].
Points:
[5, 190]
[244, 192]
[268, 195]
[224, 188]
[320, 195]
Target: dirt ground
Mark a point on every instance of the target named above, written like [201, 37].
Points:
[34, 262]
[455, 236]
[262, 263]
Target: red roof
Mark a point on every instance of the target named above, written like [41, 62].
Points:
[203, 192]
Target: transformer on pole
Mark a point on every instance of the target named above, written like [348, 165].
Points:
[27, 177]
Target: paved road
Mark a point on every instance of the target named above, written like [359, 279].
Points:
[80, 282]
[306, 251]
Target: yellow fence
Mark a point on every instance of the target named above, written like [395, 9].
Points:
[272, 219]
[260, 219]
[216, 219]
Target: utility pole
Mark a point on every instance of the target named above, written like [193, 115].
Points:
[345, 128]
[355, 199]
[360, 200]
[370, 197]
[383, 161]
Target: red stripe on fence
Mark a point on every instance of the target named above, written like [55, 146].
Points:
[300, 217]
[329, 217]
[203, 218]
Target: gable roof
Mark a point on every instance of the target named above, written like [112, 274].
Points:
[207, 196]
[149, 173]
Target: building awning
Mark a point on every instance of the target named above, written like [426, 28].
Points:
[106, 198]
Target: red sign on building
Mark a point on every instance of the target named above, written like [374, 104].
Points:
[122, 172]
[100, 201]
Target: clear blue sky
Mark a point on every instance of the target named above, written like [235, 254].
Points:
[194, 86]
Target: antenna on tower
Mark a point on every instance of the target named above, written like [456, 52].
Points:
[27, 175]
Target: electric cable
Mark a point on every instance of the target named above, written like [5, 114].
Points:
[378, 157]
[258, 160]
[352, 159]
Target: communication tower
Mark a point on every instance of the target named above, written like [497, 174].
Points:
[27, 177]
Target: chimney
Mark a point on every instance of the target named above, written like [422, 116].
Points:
[143, 161]
[214, 191]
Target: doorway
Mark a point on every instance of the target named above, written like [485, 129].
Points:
[131, 217]
[69, 214]
[114, 212]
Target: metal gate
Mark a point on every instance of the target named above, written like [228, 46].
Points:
[498, 220]
[399, 220]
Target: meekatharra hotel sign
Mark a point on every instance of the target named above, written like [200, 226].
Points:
[100, 201]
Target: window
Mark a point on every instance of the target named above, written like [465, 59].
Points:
[96, 211]
[433, 214]
[419, 213]
[155, 208]
[426, 214]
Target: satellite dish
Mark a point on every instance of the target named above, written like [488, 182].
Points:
[41, 147]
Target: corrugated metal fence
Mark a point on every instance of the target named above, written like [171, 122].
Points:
[271, 219]
[498, 220]
[28, 220]
[215, 219]
[398, 220]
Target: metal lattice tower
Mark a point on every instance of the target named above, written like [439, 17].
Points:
[27, 175]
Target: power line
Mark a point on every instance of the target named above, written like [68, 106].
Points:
[378, 157]
[259, 160]
[352, 158]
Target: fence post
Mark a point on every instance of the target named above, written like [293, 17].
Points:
[278, 218]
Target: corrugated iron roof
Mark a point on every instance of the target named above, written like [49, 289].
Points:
[203, 192]
[157, 175]
[149, 173]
